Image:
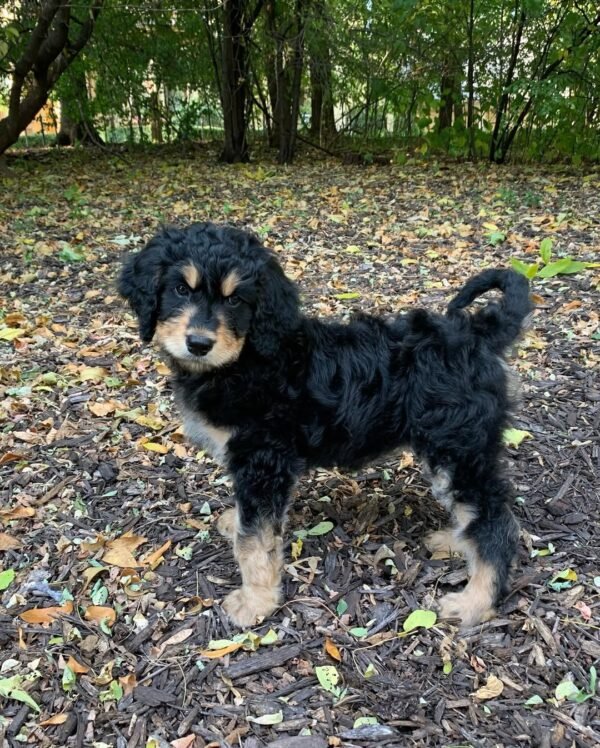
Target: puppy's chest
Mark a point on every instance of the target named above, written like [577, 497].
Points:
[200, 431]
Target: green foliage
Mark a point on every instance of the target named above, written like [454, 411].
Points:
[547, 269]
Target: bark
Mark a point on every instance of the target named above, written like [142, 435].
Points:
[48, 53]
[322, 123]
[75, 124]
[471, 80]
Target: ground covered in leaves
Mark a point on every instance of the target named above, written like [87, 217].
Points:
[111, 569]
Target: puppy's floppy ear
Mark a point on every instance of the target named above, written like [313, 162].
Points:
[276, 314]
[140, 284]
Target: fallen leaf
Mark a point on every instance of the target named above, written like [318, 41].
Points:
[7, 577]
[185, 742]
[46, 616]
[17, 512]
[493, 688]
[102, 409]
[90, 574]
[129, 682]
[328, 677]
[267, 719]
[120, 551]
[156, 557]
[57, 719]
[514, 437]
[332, 650]
[177, 638]
[77, 667]
[419, 619]
[8, 543]
[583, 608]
[99, 613]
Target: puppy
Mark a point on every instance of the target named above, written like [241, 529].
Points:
[270, 393]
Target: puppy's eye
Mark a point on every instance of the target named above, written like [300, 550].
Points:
[182, 290]
[233, 300]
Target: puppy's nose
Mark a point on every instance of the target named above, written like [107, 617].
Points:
[199, 345]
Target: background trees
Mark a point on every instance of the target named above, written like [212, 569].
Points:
[471, 78]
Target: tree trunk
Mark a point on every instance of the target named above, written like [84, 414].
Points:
[75, 124]
[322, 123]
[447, 99]
[47, 54]
[471, 81]
[234, 89]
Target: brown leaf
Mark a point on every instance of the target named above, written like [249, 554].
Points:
[119, 551]
[57, 719]
[90, 574]
[129, 682]
[11, 457]
[177, 638]
[185, 742]
[102, 409]
[156, 557]
[332, 650]
[46, 616]
[8, 543]
[77, 667]
[17, 512]
[100, 613]
[491, 690]
[215, 653]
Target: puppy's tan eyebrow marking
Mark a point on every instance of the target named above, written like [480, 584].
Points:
[191, 276]
[230, 283]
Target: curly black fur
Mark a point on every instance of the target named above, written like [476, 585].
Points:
[307, 392]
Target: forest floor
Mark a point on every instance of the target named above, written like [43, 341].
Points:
[107, 515]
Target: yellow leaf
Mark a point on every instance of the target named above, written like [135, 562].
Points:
[296, 549]
[10, 333]
[155, 447]
[491, 690]
[151, 422]
[332, 650]
[92, 373]
[46, 616]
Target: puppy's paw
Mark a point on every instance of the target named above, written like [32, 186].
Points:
[246, 605]
[465, 606]
[227, 523]
[441, 541]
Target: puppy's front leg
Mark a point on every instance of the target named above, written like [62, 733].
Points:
[261, 503]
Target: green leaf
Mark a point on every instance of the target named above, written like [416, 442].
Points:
[267, 719]
[328, 677]
[370, 671]
[6, 578]
[321, 529]
[10, 333]
[423, 619]
[566, 266]
[362, 721]
[529, 271]
[447, 669]
[68, 679]
[269, 638]
[342, 606]
[71, 254]
[546, 250]
[497, 237]
[534, 700]
[10, 689]
[359, 632]
[566, 690]
[347, 296]
[514, 437]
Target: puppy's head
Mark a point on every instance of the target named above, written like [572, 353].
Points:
[205, 292]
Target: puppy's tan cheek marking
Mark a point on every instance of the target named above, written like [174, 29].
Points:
[191, 276]
[229, 283]
[227, 347]
[175, 329]
[260, 557]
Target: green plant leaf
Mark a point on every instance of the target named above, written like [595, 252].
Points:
[321, 529]
[546, 249]
[328, 677]
[529, 271]
[496, 237]
[423, 619]
[267, 719]
[70, 254]
[566, 266]
[359, 632]
[566, 690]
[514, 437]
[534, 700]
[363, 721]
[6, 578]
[10, 689]
[68, 679]
[342, 607]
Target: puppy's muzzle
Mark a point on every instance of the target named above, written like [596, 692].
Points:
[198, 345]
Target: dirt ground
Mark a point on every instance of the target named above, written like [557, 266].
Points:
[107, 515]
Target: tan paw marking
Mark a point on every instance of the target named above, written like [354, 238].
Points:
[466, 607]
[442, 541]
[227, 522]
[246, 605]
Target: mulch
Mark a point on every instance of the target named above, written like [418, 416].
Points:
[91, 450]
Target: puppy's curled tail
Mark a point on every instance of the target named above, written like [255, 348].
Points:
[500, 322]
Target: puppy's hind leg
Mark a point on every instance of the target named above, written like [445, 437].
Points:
[486, 533]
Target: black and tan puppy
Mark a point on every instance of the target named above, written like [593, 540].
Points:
[270, 393]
